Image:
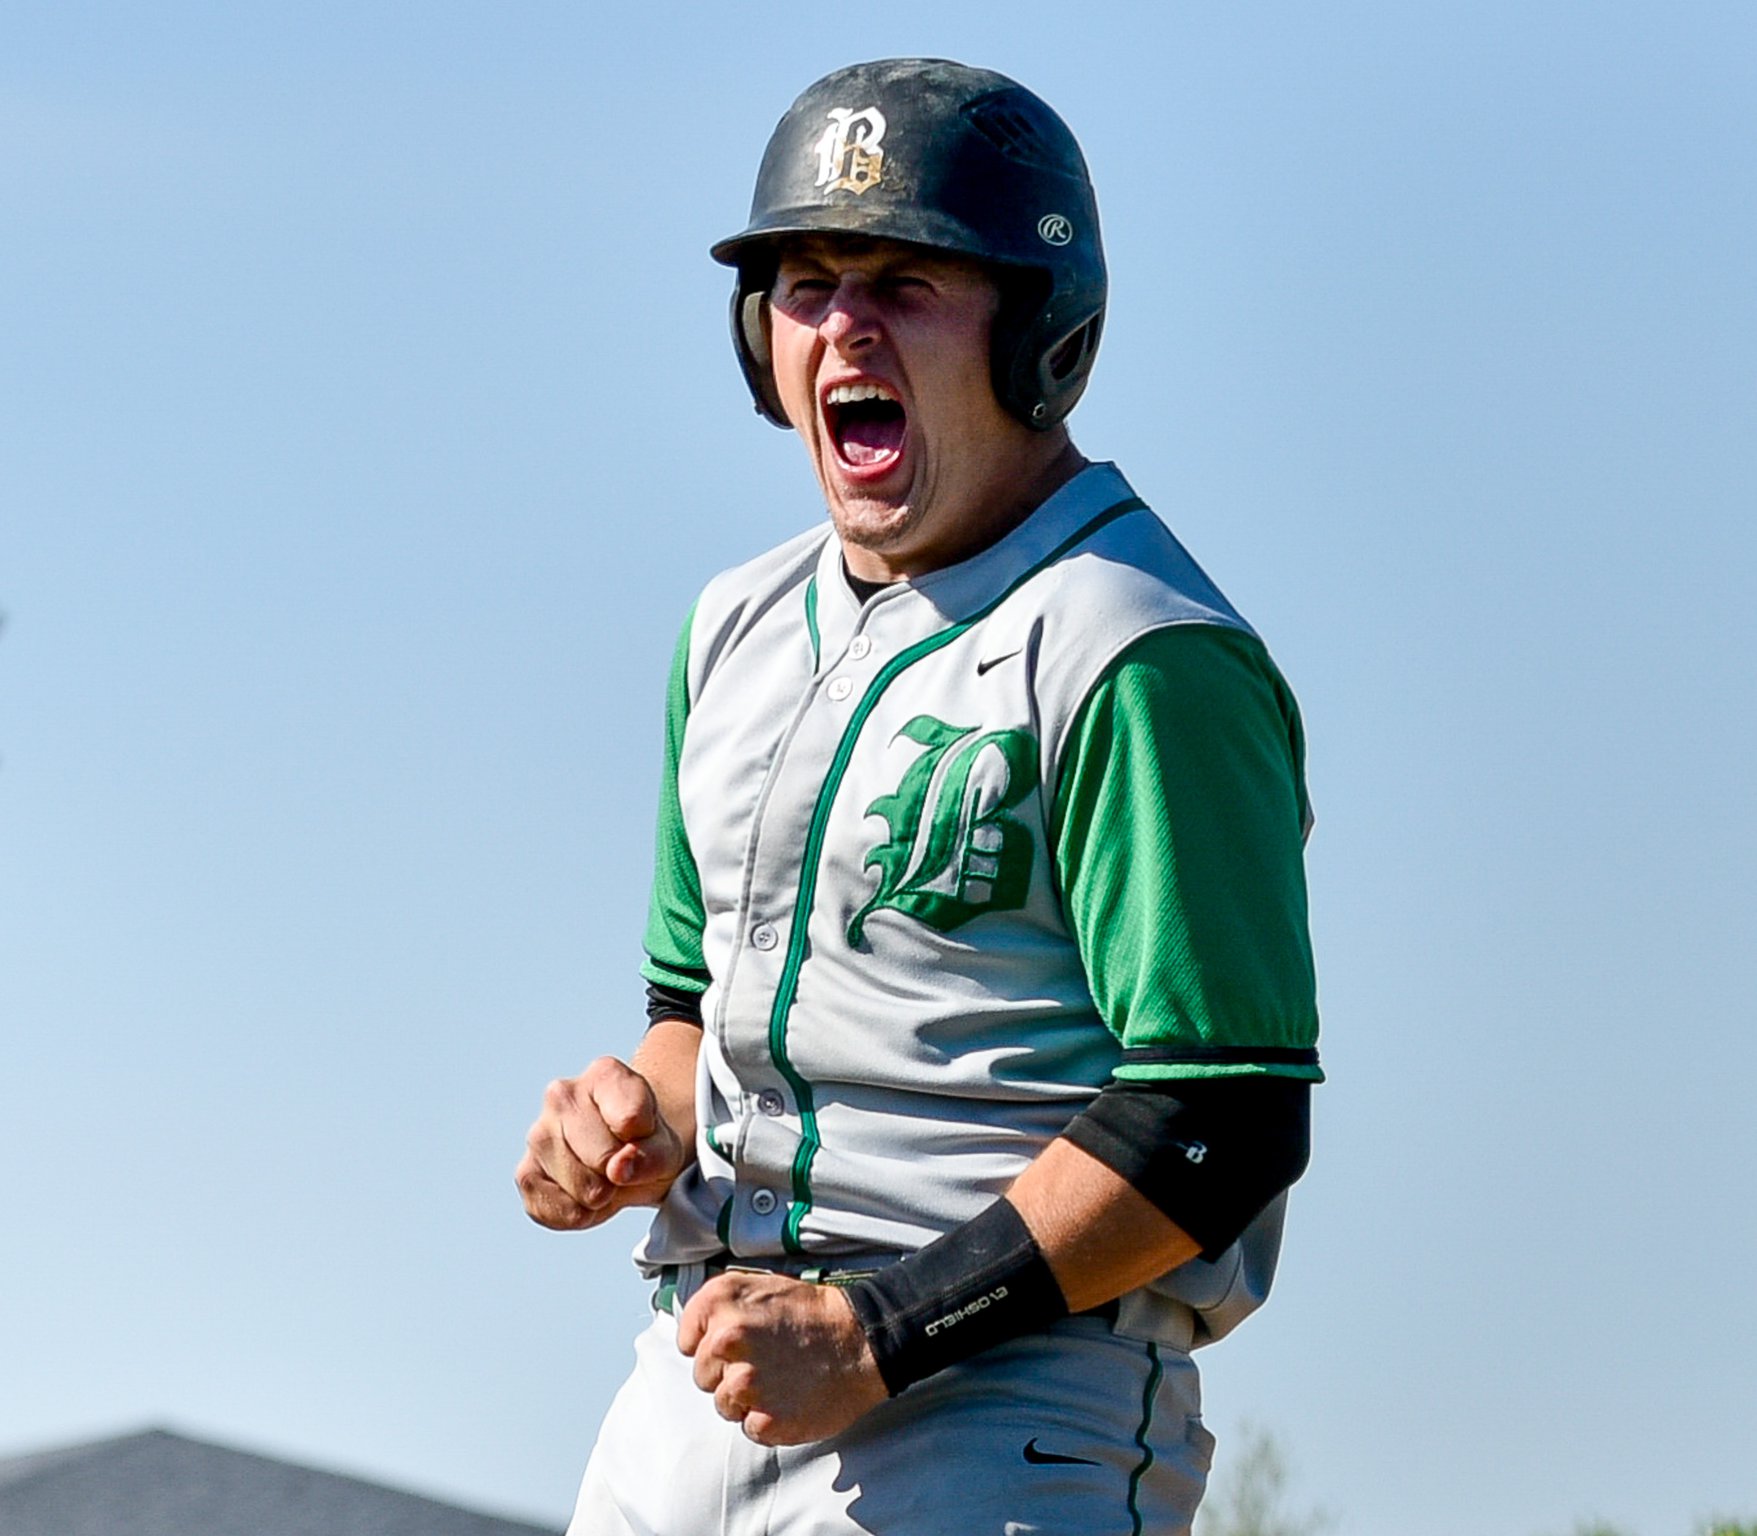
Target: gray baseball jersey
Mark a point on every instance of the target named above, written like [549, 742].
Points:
[944, 863]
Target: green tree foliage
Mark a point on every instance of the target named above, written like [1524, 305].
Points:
[1715, 1527]
[1249, 1498]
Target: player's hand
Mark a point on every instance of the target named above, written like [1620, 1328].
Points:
[599, 1145]
[787, 1359]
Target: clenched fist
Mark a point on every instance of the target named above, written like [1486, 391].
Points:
[600, 1144]
[786, 1359]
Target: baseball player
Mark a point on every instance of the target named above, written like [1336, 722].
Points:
[982, 1004]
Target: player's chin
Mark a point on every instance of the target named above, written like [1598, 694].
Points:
[880, 524]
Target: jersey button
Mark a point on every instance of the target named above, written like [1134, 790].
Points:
[764, 936]
[860, 647]
[840, 688]
[763, 1202]
[770, 1102]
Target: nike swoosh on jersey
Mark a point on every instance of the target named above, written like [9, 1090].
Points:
[1039, 1458]
[994, 661]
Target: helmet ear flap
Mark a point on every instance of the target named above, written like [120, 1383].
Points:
[756, 333]
[1040, 361]
[1072, 357]
[1064, 365]
[750, 332]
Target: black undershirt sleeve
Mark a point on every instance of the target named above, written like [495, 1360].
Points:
[673, 1003]
[1208, 1152]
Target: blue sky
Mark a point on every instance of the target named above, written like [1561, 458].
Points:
[367, 425]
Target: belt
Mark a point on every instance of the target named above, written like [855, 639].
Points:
[694, 1276]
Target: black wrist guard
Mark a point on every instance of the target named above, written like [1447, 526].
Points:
[974, 1288]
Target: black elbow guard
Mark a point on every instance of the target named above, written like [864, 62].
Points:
[1208, 1152]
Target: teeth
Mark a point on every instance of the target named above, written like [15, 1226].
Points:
[852, 394]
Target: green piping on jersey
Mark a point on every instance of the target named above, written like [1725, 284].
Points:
[811, 619]
[788, 988]
[1147, 1395]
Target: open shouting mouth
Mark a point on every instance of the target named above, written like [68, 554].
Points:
[866, 422]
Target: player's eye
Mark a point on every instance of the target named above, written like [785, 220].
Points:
[802, 292]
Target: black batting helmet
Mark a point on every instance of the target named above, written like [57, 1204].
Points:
[958, 159]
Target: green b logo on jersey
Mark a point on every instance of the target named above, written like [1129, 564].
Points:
[964, 856]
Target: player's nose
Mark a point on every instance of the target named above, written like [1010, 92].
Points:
[851, 318]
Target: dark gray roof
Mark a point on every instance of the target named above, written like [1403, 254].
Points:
[161, 1484]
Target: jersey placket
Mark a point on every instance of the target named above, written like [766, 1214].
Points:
[778, 1131]
[774, 1104]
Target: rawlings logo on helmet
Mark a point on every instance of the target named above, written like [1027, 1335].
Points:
[848, 155]
[1055, 229]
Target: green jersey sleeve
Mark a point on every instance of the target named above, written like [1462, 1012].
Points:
[1178, 824]
[674, 914]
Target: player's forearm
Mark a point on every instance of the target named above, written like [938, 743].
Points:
[1100, 1236]
[666, 1058]
[1070, 1235]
